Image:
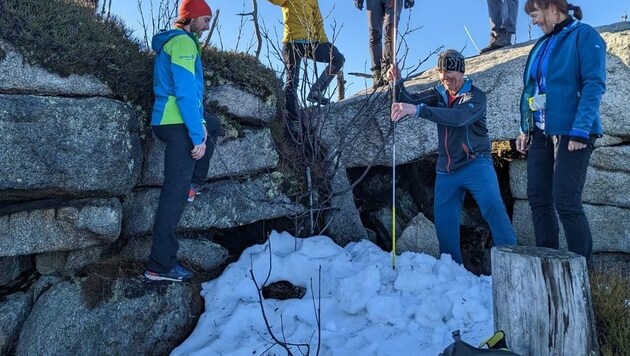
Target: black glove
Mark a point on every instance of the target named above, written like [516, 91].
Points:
[358, 4]
[409, 3]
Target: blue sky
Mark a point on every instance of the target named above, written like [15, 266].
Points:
[441, 23]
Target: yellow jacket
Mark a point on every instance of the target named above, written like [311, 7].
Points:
[302, 20]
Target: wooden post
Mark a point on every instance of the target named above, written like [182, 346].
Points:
[542, 300]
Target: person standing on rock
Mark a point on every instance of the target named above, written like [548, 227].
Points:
[464, 157]
[178, 120]
[565, 78]
[503, 14]
[304, 37]
[381, 17]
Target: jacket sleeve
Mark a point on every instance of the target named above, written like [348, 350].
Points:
[592, 60]
[470, 109]
[427, 96]
[183, 52]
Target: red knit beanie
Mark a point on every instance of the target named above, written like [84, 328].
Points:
[190, 9]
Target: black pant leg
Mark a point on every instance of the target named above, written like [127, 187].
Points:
[292, 54]
[568, 184]
[178, 169]
[201, 165]
[540, 163]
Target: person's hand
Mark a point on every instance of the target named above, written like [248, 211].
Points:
[400, 110]
[198, 151]
[358, 4]
[574, 145]
[521, 143]
[409, 3]
[393, 74]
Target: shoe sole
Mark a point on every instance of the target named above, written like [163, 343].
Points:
[162, 278]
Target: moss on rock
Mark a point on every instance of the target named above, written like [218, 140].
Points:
[241, 70]
[68, 38]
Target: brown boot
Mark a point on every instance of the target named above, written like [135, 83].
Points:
[499, 40]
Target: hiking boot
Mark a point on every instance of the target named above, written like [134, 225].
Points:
[177, 274]
[315, 97]
[499, 40]
[378, 80]
[195, 189]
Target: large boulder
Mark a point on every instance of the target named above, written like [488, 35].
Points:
[615, 108]
[419, 236]
[67, 262]
[615, 158]
[247, 108]
[137, 319]
[361, 125]
[602, 187]
[17, 76]
[360, 128]
[610, 227]
[13, 312]
[222, 205]
[68, 226]
[343, 220]
[12, 267]
[253, 153]
[201, 253]
[66, 147]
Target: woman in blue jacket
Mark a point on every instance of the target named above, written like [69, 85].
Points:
[564, 82]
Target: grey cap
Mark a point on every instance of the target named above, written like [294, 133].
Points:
[451, 60]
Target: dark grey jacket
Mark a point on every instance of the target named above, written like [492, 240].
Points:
[462, 132]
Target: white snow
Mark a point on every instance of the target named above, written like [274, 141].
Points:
[367, 307]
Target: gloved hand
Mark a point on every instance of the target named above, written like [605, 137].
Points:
[409, 3]
[358, 4]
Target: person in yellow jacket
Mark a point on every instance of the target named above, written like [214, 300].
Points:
[304, 37]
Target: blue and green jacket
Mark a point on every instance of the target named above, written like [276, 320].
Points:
[178, 82]
[575, 77]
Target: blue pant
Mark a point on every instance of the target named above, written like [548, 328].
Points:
[478, 178]
[555, 181]
[503, 14]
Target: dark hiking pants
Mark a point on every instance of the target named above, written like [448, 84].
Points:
[555, 181]
[292, 53]
[381, 13]
[178, 174]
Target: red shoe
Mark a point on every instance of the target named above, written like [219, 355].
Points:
[193, 191]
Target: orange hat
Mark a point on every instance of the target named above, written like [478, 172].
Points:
[190, 9]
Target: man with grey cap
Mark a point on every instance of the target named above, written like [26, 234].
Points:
[464, 158]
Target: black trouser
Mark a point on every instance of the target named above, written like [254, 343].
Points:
[555, 181]
[201, 166]
[381, 13]
[292, 53]
[179, 169]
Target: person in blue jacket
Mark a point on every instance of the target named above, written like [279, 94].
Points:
[464, 158]
[564, 81]
[178, 120]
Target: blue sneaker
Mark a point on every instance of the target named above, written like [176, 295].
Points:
[177, 274]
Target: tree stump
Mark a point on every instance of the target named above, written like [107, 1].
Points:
[542, 300]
